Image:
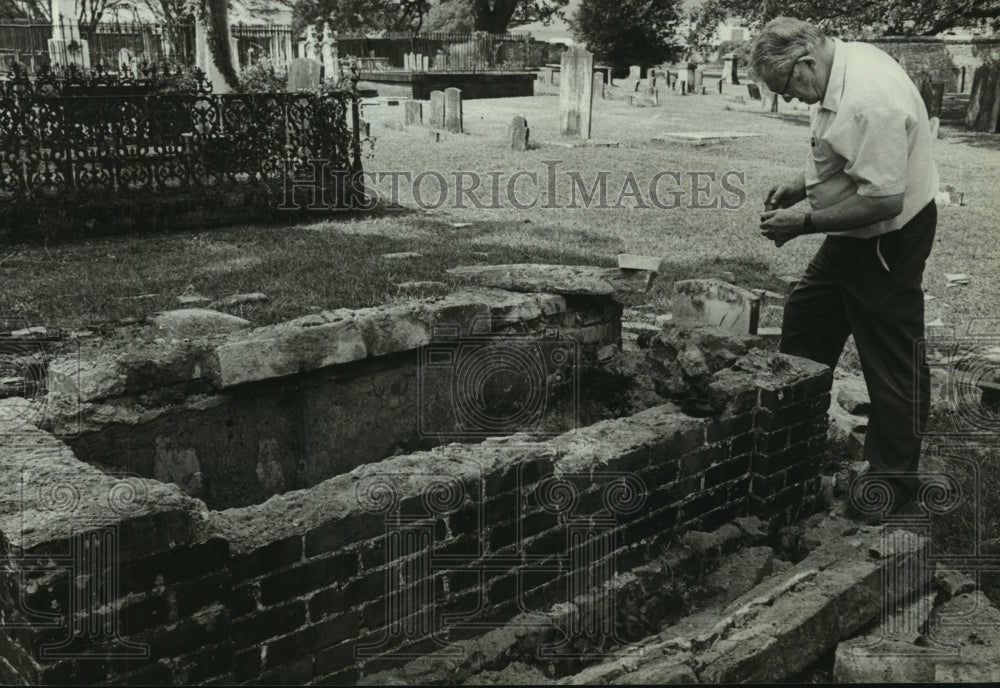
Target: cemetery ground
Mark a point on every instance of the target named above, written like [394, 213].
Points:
[90, 287]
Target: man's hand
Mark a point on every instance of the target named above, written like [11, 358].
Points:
[781, 226]
[785, 195]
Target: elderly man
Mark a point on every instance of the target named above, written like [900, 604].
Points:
[870, 181]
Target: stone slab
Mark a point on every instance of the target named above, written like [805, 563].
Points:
[554, 279]
[191, 323]
[699, 138]
[628, 261]
[343, 336]
[716, 303]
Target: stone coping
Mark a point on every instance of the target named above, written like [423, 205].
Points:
[308, 343]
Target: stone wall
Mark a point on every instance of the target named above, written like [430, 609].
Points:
[238, 418]
[362, 571]
[389, 558]
[943, 58]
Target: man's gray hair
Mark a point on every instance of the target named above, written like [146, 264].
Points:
[781, 42]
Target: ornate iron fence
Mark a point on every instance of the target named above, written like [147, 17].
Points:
[69, 139]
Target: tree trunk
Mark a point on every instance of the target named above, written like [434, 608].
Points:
[492, 19]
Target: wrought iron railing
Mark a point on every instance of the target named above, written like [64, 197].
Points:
[445, 52]
[77, 138]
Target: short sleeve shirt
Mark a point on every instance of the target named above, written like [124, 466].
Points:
[870, 136]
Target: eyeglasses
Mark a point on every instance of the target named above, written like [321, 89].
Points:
[791, 72]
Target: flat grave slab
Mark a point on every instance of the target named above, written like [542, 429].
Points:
[698, 138]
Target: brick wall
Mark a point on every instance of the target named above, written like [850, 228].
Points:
[237, 419]
[943, 58]
[366, 569]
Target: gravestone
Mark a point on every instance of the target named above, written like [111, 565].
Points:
[753, 90]
[519, 133]
[935, 125]
[699, 79]
[425, 63]
[413, 112]
[984, 101]
[653, 96]
[545, 75]
[436, 118]
[721, 81]
[304, 74]
[932, 94]
[408, 62]
[634, 73]
[453, 110]
[598, 85]
[576, 92]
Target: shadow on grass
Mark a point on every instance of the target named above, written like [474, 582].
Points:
[973, 139]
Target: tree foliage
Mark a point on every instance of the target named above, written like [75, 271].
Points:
[860, 18]
[491, 16]
[627, 32]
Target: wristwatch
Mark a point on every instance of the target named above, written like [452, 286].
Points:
[807, 224]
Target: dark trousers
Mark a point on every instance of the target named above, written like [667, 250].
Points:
[847, 290]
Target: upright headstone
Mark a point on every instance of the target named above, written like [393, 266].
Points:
[691, 69]
[407, 62]
[519, 133]
[205, 56]
[634, 73]
[733, 75]
[436, 118]
[453, 110]
[598, 85]
[331, 58]
[721, 81]
[545, 75]
[984, 100]
[699, 80]
[425, 63]
[932, 93]
[414, 112]
[727, 68]
[576, 92]
[653, 96]
[304, 74]
[66, 47]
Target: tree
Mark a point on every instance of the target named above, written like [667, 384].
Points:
[449, 17]
[491, 16]
[33, 10]
[859, 18]
[627, 32]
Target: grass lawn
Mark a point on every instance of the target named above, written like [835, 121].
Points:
[336, 262]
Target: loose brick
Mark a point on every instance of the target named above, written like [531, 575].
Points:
[303, 578]
[270, 623]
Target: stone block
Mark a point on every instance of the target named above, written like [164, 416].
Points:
[519, 133]
[191, 323]
[413, 113]
[716, 303]
[628, 261]
[453, 110]
[436, 119]
[554, 279]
